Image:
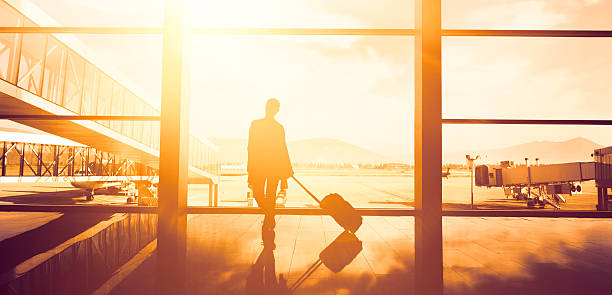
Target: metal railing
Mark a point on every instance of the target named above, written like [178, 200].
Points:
[21, 159]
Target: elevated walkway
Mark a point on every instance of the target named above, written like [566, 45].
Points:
[41, 75]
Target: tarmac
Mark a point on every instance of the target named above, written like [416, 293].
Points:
[226, 253]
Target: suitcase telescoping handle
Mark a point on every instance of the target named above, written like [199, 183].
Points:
[305, 189]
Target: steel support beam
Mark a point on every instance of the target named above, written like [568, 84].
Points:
[21, 158]
[174, 154]
[428, 148]
[4, 159]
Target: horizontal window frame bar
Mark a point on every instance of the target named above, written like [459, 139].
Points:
[527, 33]
[209, 31]
[527, 122]
[302, 31]
[308, 31]
[83, 30]
[305, 211]
[79, 118]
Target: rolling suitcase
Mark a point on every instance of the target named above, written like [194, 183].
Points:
[338, 208]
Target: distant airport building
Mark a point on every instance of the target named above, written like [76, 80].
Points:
[396, 166]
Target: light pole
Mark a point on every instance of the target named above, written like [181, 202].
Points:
[470, 162]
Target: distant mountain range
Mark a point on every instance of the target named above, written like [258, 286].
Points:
[334, 151]
[316, 150]
[576, 149]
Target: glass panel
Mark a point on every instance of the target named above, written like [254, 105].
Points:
[139, 110]
[346, 104]
[55, 63]
[526, 255]
[155, 135]
[533, 14]
[73, 89]
[90, 90]
[117, 105]
[147, 127]
[129, 105]
[7, 54]
[113, 13]
[543, 78]
[31, 62]
[552, 153]
[8, 18]
[105, 98]
[301, 13]
[134, 61]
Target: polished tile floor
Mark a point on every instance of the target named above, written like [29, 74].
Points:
[232, 254]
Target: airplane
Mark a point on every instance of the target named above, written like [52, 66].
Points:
[133, 189]
[131, 186]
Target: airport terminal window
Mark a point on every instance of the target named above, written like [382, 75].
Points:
[118, 101]
[548, 69]
[531, 15]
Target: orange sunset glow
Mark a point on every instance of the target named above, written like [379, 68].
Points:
[305, 147]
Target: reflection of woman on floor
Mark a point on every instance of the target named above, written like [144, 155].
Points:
[262, 277]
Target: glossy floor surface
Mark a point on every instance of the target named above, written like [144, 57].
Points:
[234, 254]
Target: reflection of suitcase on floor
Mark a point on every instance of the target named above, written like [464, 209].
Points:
[341, 252]
[338, 208]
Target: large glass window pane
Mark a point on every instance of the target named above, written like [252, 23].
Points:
[31, 61]
[73, 87]
[104, 98]
[535, 78]
[53, 84]
[526, 255]
[90, 90]
[114, 13]
[8, 18]
[301, 13]
[532, 14]
[346, 104]
[511, 155]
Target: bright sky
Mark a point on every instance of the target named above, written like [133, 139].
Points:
[361, 89]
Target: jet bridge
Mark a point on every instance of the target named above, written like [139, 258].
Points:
[545, 184]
